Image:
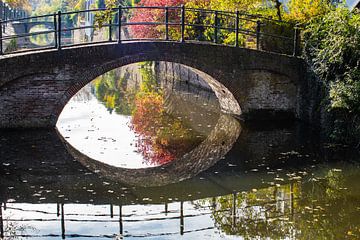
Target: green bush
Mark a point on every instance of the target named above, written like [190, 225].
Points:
[332, 47]
[12, 46]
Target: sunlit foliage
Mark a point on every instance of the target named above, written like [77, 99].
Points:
[21, 4]
[305, 10]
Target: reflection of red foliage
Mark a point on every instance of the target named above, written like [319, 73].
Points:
[147, 117]
[147, 121]
[154, 154]
[153, 15]
[162, 137]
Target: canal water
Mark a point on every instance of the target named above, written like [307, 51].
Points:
[144, 151]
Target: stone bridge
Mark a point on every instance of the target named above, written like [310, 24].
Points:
[35, 87]
[23, 28]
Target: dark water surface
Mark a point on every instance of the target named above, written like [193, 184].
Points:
[143, 154]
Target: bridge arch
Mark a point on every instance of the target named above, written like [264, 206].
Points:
[227, 101]
[27, 27]
[35, 87]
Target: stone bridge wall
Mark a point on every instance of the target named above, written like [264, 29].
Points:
[35, 87]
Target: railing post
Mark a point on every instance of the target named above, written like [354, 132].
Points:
[237, 29]
[55, 31]
[1, 10]
[1, 40]
[296, 41]
[110, 30]
[5, 13]
[216, 27]
[119, 23]
[258, 30]
[59, 31]
[166, 23]
[182, 23]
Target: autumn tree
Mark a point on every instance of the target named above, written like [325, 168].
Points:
[305, 10]
[21, 4]
[153, 15]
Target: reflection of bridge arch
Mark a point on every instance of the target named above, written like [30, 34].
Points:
[205, 155]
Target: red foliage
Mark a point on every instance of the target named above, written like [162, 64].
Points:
[153, 15]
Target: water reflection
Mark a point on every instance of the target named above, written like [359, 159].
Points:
[203, 156]
[45, 193]
[133, 117]
[210, 176]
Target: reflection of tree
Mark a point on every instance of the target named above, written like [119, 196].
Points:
[162, 137]
[319, 209]
[14, 230]
[252, 215]
[112, 91]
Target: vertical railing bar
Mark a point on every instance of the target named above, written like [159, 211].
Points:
[237, 29]
[258, 29]
[1, 223]
[215, 26]
[166, 23]
[111, 210]
[121, 220]
[5, 16]
[1, 38]
[55, 31]
[296, 41]
[1, 10]
[62, 221]
[182, 23]
[59, 30]
[181, 218]
[110, 30]
[119, 23]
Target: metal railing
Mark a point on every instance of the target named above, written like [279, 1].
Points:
[6, 12]
[173, 23]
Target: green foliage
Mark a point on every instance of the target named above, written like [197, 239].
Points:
[103, 17]
[45, 7]
[112, 91]
[12, 47]
[332, 47]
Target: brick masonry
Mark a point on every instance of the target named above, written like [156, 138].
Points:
[35, 87]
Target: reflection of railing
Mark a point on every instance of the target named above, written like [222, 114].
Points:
[232, 209]
[181, 18]
[62, 217]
